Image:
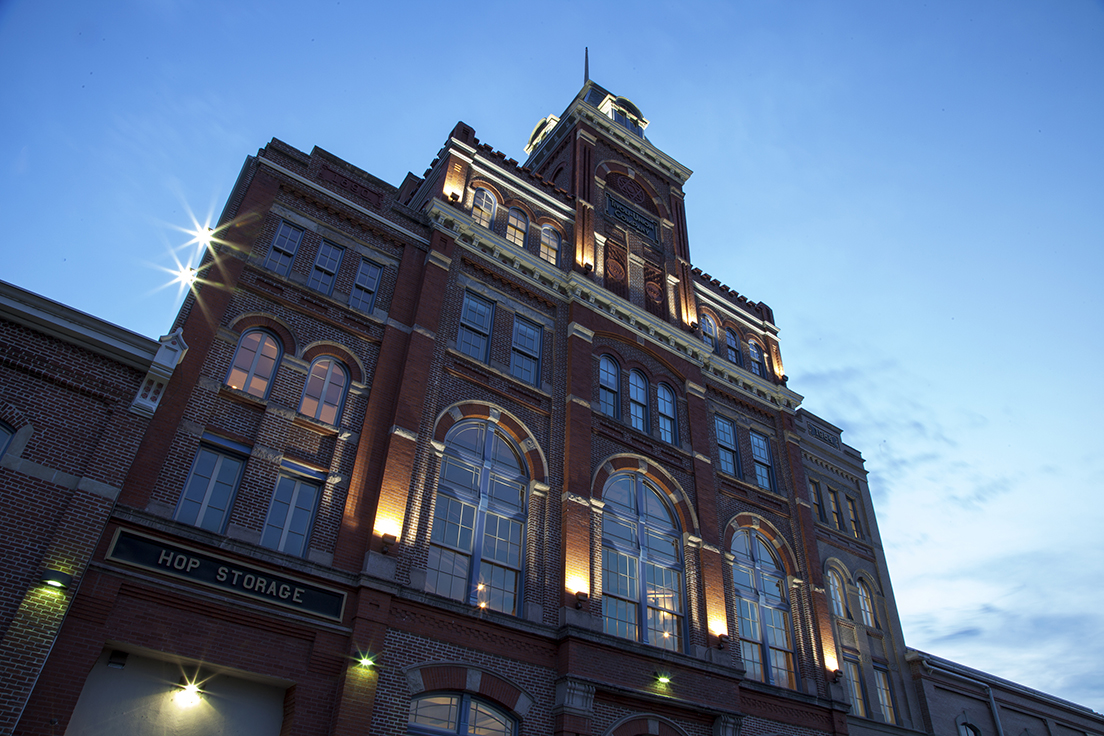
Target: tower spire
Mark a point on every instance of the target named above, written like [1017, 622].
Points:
[586, 64]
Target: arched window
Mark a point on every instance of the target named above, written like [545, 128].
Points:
[458, 714]
[766, 641]
[476, 547]
[835, 593]
[609, 387]
[324, 392]
[517, 226]
[732, 345]
[255, 363]
[709, 332]
[756, 354]
[668, 425]
[483, 207]
[866, 604]
[550, 245]
[638, 401]
[641, 564]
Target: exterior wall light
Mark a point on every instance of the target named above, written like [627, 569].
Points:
[388, 540]
[837, 675]
[662, 678]
[366, 662]
[581, 597]
[189, 694]
[722, 641]
[56, 579]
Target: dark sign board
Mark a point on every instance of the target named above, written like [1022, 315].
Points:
[229, 575]
[646, 226]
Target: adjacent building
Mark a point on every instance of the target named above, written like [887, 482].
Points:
[482, 454]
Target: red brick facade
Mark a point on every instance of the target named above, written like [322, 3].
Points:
[256, 540]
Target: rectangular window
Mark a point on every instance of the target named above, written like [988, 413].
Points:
[764, 469]
[291, 515]
[818, 501]
[526, 351]
[450, 548]
[210, 491]
[726, 446]
[854, 687]
[284, 246]
[499, 568]
[837, 517]
[885, 695]
[325, 268]
[364, 290]
[619, 594]
[475, 327]
[853, 516]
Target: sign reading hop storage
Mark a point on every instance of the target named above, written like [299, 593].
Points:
[216, 572]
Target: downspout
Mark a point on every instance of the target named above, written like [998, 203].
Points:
[927, 664]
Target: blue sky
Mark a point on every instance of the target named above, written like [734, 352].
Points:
[917, 190]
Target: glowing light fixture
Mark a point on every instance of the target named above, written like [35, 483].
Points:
[56, 579]
[190, 695]
[722, 641]
[662, 678]
[366, 661]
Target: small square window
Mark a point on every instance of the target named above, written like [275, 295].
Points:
[284, 246]
[364, 290]
[325, 268]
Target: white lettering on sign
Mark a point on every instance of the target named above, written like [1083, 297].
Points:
[257, 584]
[177, 561]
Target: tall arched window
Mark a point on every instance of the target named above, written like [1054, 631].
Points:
[324, 392]
[866, 604]
[458, 714]
[641, 564]
[732, 345]
[517, 226]
[638, 401]
[255, 363]
[483, 207]
[836, 595]
[766, 641]
[478, 538]
[550, 245]
[668, 424]
[609, 387]
[709, 332]
[756, 354]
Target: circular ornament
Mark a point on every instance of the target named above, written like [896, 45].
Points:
[633, 191]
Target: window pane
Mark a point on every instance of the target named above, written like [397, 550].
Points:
[619, 575]
[436, 711]
[486, 721]
[447, 573]
[753, 660]
[364, 289]
[885, 696]
[550, 245]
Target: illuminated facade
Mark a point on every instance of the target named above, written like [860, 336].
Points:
[483, 453]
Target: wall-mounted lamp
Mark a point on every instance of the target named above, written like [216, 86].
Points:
[662, 678]
[722, 641]
[837, 675]
[693, 326]
[117, 659]
[366, 662]
[581, 597]
[189, 694]
[388, 540]
[56, 579]
[588, 267]
[454, 197]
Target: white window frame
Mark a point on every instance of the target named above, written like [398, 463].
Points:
[481, 212]
[281, 255]
[474, 337]
[250, 374]
[327, 262]
[550, 245]
[363, 296]
[292, 514]
[328, 377]
[203, 492]
[517, 227]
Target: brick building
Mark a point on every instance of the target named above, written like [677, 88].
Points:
[483, 453]
[76, 394]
